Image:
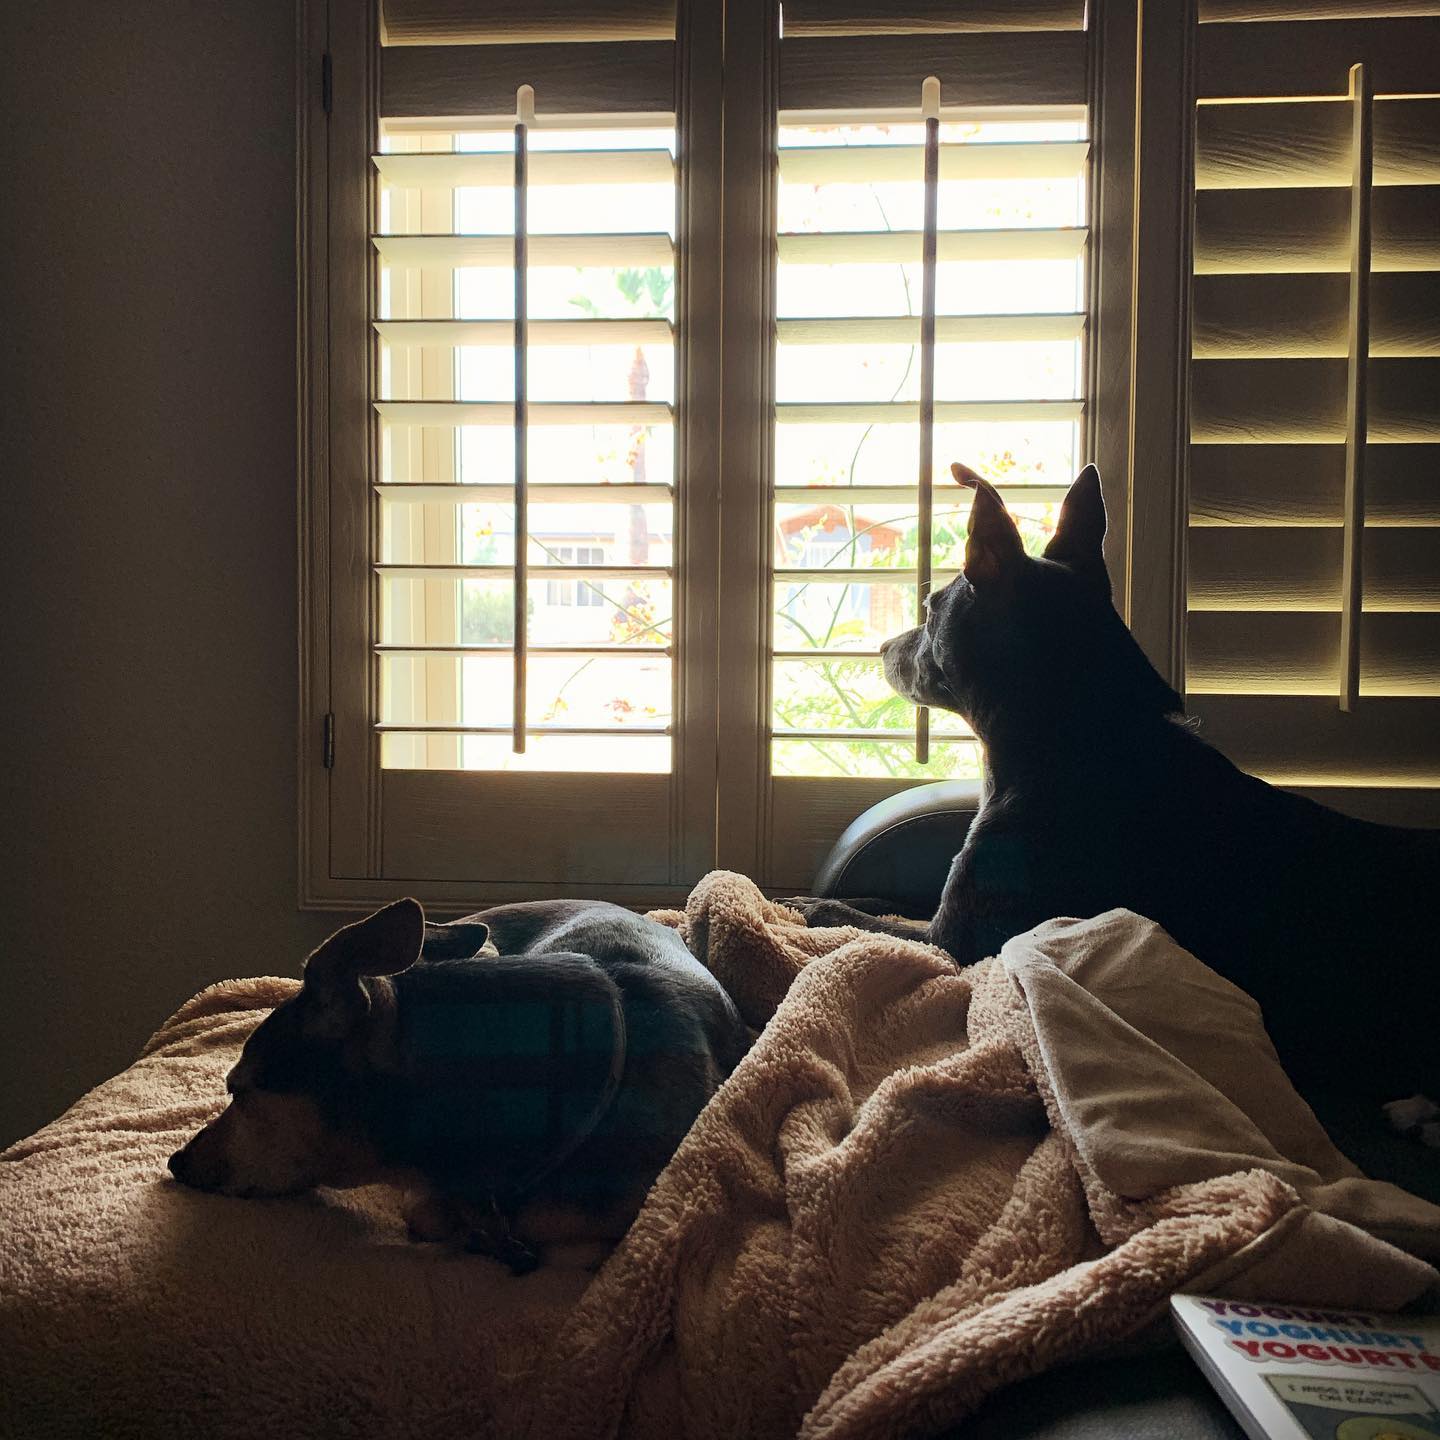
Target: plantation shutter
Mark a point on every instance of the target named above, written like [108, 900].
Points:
[1297, 572]
[883, 365]
[508, 406]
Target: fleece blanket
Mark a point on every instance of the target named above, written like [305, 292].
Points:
[130, 1306]
[920, 1185]
[924, 1183]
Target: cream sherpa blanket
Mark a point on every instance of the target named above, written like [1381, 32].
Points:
[920, 1185]
[925, 1183]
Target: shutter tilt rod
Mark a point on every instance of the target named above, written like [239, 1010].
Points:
[524, 119]
[930, 109]
[1356, 409]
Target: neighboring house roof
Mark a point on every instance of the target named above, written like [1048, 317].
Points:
[830, 517]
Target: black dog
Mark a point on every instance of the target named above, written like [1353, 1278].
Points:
[1101, 795]
[526, 1077]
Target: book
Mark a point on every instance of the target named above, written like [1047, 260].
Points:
[1298, 1372]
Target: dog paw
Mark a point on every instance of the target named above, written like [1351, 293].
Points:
[1413, 1112]
[818, 912]
[802, 903]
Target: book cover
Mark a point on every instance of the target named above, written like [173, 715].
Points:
[1295, 1372]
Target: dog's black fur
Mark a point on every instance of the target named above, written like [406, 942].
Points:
[525, 1072]
[1101, 795]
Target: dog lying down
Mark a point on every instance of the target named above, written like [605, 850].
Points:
[525, 1073]
[1100, 795]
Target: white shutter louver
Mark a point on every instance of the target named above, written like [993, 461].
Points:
[1272, 335]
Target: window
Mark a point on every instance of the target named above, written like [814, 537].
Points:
[499, 649]
[595, 587]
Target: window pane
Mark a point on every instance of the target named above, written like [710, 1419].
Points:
[1018, 452]
[885, 534]
[870, 534]
[1044, 370]
[848, 454]
[445, 610]
[875, 759]
[592, 691]
[566, 292]
[568, 454]
[568, 372]
[1010, 284]
[899, 204]
[567, 209]
[472, 611]
[604, 612]
[560, 534]
[845, 693]
[810, 615]
[603, 754]
[962, 287]
[600, 534]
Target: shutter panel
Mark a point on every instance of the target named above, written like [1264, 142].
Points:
[855, 534]
[518, 501]
[1271, 343]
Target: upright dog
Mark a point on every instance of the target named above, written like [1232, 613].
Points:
[526, 1077]
[1100, 795]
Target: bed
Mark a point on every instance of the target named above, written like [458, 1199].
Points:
[921, 1187]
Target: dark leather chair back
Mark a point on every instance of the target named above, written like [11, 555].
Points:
[901, 848]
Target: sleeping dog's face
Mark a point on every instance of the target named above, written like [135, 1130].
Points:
[1016, 639]
[296, 1116]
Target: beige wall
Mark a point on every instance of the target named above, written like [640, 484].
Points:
[148, 480]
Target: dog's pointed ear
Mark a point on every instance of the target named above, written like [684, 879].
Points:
[1079, 537]
[384, 943]
[993, 548]
[459, 940]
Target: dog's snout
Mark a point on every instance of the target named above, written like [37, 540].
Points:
[886, 644]
[200, 1170]
[182, 1166]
